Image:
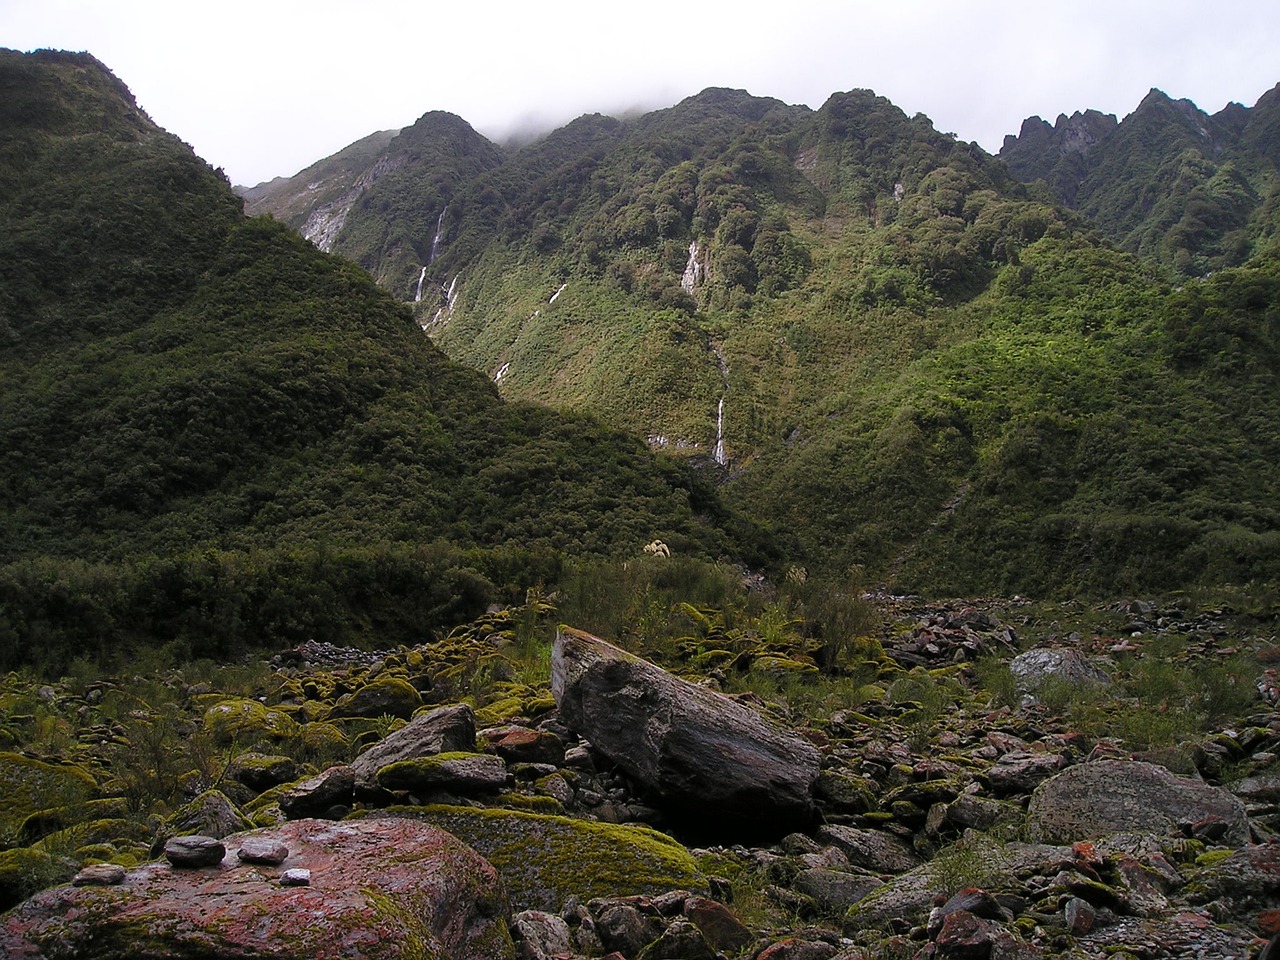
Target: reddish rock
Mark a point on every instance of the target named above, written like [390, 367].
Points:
[722, 930]
[966, 937]
[375, 886]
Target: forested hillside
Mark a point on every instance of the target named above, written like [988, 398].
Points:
[1170, 182]
[214, 434]
[896, 354]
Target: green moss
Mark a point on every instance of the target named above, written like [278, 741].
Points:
[29, 786]
[247, 721]
[499, 712]
[533, 803]
[1213, 857]
[26, 870]
[544, 860]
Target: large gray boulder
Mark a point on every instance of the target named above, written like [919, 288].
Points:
[700, 755]
[375, 886]
[1094, 800]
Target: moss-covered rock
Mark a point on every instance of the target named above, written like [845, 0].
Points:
[464, 773]
[385, 695]
[29, 786]
[247, 722]
[262, 771]
[544, 860]
[25, 870]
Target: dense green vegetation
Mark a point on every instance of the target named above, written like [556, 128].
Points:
[216, 436]
[931, 373]
[1169, 182]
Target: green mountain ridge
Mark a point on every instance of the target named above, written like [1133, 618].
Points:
[913, 363]
[211, 427]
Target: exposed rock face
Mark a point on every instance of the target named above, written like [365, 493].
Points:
[434, 892]
[701, 755]
[1093, 800]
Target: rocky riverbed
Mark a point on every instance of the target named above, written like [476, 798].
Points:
[980, 779]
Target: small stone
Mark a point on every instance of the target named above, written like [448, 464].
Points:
[296, 877]
[194, 851]
[263, 850]
[99, 875]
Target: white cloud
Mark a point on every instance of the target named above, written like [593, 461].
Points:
[266, 88]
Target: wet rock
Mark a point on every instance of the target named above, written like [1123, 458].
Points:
[194, 851]
[1092, 800]
[433, 891]
[700, 755]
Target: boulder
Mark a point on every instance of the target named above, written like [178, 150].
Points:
[464, 773]
[701, 756]
[318, 796]
[29, 785]
[242, 721]
[210, 814]
[381, 697]
[870, 849]
[450, 729]
[541, 935]
[1093, 800]
[1034, 669]
[376, 886]
[262, 771]
[835, 891]
[545, 860]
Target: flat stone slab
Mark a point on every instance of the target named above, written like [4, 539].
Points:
[374, 887]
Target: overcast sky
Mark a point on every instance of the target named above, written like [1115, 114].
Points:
[266, 88]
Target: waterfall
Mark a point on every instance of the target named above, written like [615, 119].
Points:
[692, 271]
[722, 362]
[417, 297]
[557, 293]
[435, 243]
[719, 454]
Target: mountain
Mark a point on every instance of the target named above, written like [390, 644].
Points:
[212, 430]
[897, 355]
[1170, 182]
[904, 360]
